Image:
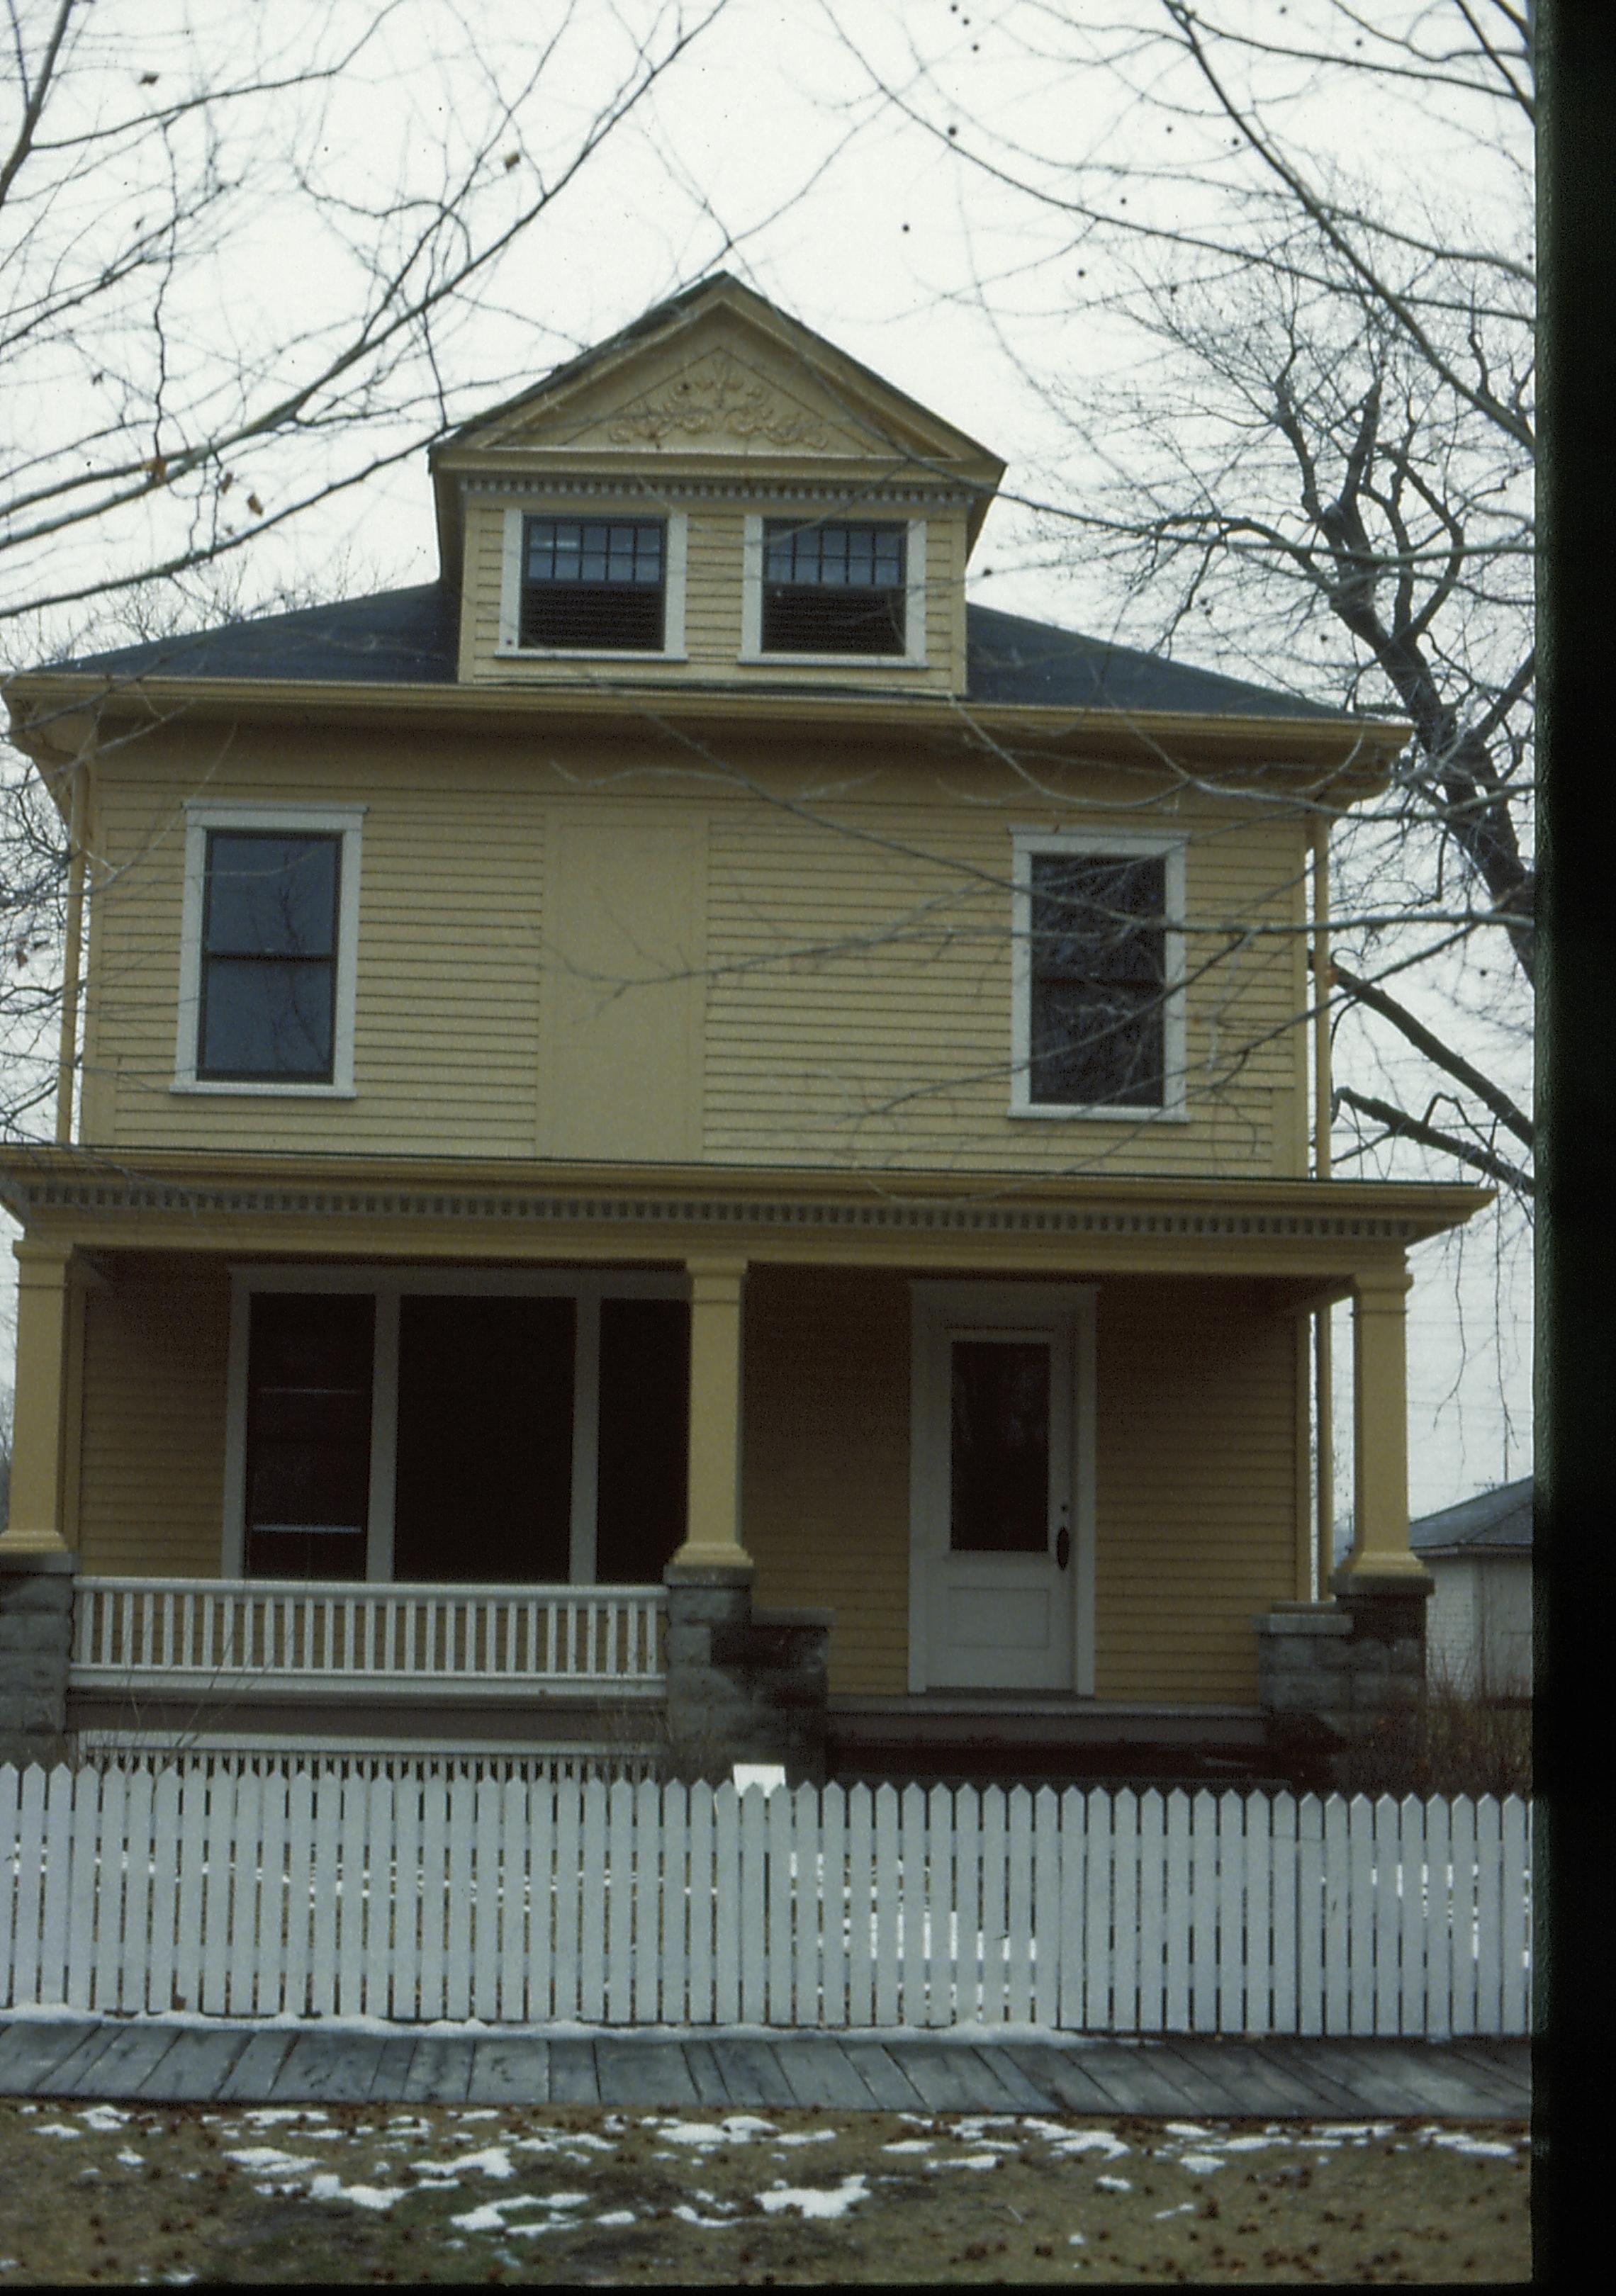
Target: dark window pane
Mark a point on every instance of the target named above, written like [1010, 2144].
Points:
[645, 1418]
[833, 588]
[308, 1410]
[485, 1441]
[1099, 959]
[593, 583]
[271, 896]
[999, 1449]
[267, 1017]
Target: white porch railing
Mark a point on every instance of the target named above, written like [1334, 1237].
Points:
[338, 1638]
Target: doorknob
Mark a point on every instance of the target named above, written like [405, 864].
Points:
[1063, 1547]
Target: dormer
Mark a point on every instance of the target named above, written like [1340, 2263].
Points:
[715, 496]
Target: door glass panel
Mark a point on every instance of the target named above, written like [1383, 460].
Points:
[308, 1407]
[999, 1446]
[485, 1441]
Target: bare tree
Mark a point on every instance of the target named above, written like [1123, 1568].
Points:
[1312, 460]
[240, 251]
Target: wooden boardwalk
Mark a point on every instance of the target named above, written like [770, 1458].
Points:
[1177, 2079]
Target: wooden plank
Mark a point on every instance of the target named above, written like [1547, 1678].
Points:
[861, 1886]
[486, 1899]
[912, 1922]
[1374, 2086]
[1324, 2095]
[643, 2073]
[12, 1884]
[1232, 2081]
[707, 2078]
[591, 1920]
[573, 2078]
[1018, 1974]
[889, 2085]
[1463, 1853]
[328, 2069]
[751, 2073]
[191, 2070]
[295, 1991]
[1506, 2063]
[783, 1903]
[511, 2069]
[1121, 2016]
[1387, 1916]
[380, 1838]
[1057, 2072]
[659, 1904]
[57, 1825]
[393, 2070]
[821, 2074]
[461, 1884]
[1336, 1868]
[67, 2078]
[246, 1859]
[1411, 1915]
[832, 1908]
[950, 2076]
[620, 1906]
[1359, 1939]
[218, 1862]
[1439, 1931]
[30, 2048]
[753, 1904]
[567, 1865]
[1147, 2079]
[271, 1960]
[112, 1877]
[85, 1890]
[1021, 2091]
[1177, 1905]
[1046, 1907]
[325, 1819]
[1152, 1905]
[1309, 1915]
[252, 2076]
[439, 2073]
[994, 1884]
[1490, 1917]
[1236, 1918]
[1283, 1902]
[1431, 2078]
[1516, 1980]
[807, 1892]
[701, 1900]
[1205, 1852]
[727, 1906]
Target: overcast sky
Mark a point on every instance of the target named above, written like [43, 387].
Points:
[765, 152]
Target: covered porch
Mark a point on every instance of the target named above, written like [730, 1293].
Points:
[715, 1460]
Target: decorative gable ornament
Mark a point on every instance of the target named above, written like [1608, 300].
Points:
[720, 399]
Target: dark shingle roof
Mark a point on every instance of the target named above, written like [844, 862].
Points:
[399, 637]
[1014, 660]
[411, 637]
[1495, 1520]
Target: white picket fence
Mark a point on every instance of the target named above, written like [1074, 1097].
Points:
[254, 1895]
[340, 1639]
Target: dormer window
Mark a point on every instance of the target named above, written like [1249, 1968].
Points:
[834, 588]
[593, 584]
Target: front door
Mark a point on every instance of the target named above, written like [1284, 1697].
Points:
[1000, 1546]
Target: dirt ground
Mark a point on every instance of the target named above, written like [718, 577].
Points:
[167, 2194]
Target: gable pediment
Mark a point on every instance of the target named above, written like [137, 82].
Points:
[725, 377]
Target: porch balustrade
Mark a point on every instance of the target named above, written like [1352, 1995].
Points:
[337, 1638]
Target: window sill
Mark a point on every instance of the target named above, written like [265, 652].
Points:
[585, 654]
[1052, 1111]
[245, 1088]
[833, 662]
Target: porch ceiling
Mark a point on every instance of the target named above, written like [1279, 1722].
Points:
[459, 1209]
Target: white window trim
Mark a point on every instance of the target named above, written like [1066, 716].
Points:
[1121, 845]
[913, 656]
[676, 525]
[388, 1286]
[936, 1308]
[345, 822]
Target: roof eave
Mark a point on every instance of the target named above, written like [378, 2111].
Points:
[1360, 751]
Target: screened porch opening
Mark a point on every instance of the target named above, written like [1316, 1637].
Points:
[531, 1438]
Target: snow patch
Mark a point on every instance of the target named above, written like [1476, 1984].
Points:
[809, 2203]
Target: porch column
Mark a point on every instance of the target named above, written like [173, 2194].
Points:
[712, 1533]
[35, 1526]
[1380, 1360]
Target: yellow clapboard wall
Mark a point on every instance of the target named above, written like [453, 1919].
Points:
[758, 955]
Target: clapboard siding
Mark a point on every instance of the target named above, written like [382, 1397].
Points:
[854, 1006]
[152, 1462]
[826, 1502]
[1196, 1486]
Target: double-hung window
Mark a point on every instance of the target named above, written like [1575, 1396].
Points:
[268, 963]
[1099, 997]
[835, 589]
[608, 585]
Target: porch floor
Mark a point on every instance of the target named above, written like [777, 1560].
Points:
[1271, 2079]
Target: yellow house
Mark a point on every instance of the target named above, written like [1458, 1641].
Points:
[680, 1120]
